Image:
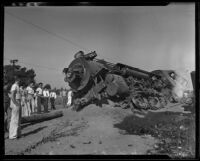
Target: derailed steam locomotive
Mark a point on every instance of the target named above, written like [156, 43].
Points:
[94, 79]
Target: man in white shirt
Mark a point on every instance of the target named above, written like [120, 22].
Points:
[45, 99]
[15, 105]
[39, 95]
[69, 96]
[30, 98]
[52, 99]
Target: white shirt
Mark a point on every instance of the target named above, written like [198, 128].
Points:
[69, 98]
[46, 93]
[15, 87]
[39, 90]
[53, 94]
[30, 90]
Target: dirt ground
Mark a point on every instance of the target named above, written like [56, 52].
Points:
[110, 130]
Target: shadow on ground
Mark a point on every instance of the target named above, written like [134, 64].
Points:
[34, 131]
[28, 124]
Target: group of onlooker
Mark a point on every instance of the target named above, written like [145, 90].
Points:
[21, 101]
[32, 100]
[24, 101]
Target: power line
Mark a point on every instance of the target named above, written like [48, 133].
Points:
[40, 66]
[50, 32]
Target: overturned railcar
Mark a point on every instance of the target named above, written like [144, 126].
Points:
[92, 80]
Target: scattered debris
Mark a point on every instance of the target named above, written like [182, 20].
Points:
[89, 142]
[182, 128]
[156, 146]
[72, 146]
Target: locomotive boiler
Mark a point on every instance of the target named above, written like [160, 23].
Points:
[92, 80]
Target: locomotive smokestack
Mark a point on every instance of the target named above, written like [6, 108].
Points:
[79, 54]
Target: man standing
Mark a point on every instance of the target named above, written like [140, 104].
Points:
[39, 94]
[15, 104]
[31, 102]
[69, 96]
[45, 99]
[64, 97]
[52, 99]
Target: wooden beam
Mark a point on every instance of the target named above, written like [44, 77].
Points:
[41, 117]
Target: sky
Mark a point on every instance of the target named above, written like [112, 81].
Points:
[46, 38]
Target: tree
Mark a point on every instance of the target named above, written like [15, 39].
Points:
[12, 70]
